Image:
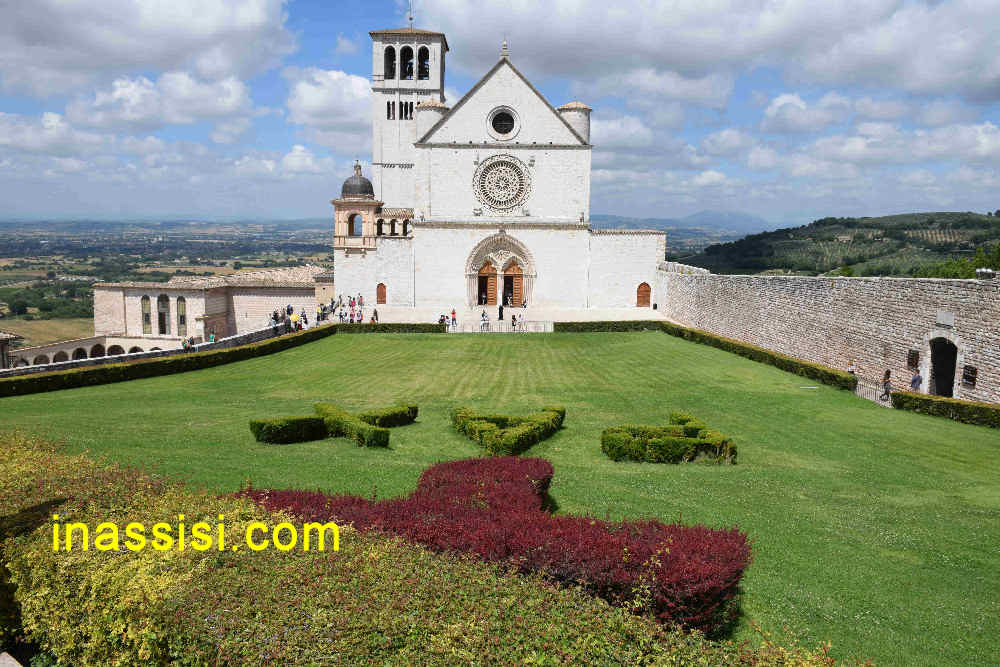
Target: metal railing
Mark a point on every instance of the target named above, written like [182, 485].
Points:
[501, 326]
[366, 242]
[871, 390]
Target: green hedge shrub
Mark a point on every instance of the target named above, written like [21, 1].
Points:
[508, 435]
[818, 372]
[341, 423]
[969, 412]
[133, 370]
[685, 439]
[391, 327]
[284, 608]
[626, 325]
[397, 415]
[283, 430]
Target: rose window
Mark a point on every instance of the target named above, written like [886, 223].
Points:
[502, 183]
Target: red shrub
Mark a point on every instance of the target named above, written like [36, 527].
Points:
[494, 508]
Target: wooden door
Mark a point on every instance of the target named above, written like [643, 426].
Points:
[491, 283]
[380, 294]
[642, 296]
[514, 271]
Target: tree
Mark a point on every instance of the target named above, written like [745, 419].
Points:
[237, 266]
[51, 275]
[19, 307]
[997, 214]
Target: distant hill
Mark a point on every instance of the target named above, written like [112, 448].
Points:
[895, 245]
[691, 233]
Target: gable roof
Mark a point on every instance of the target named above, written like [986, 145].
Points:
[411, 31]
[479, 84]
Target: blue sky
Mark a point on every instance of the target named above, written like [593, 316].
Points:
[256, 109]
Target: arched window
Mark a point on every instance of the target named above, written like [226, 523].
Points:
[163, 315]
[378, 227]
[406, 63]
[388, 110]
[380, 293]
[182, 321]
[60, 356]
[355, 224]
[423, 63]
[97, 351]
[392, 227]
[642, 295]
[406, 227]
[115, 350]
[79, 353]
[390, 62]
[39, 360]
[133, 350]
[147, 318]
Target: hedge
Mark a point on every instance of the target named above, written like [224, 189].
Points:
[506, 435]
[626, 325]
[818, 372]
[341, 423]
[283, 430]
[383, 601]
[969, 412]
[397, 415]
[494, 508]
[685, 439]
[134, 370]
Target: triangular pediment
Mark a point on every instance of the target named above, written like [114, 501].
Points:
[503, 86]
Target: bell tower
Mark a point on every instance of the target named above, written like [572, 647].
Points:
[407, 68]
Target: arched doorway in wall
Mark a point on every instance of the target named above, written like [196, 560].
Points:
[944, 359]
[79, 353]
[487, 283]
[97, 351]
[39, 360]
[513, 285]
[60, 356]
[642, 295]
[380, 294]
[115, 350]
[133, 350]
[355, 224]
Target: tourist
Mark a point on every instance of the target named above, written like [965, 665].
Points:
[375, 316]
[524, 303]
[851, 367]
[916, 381]
[185, 345]
[484, 323]
[886, 386]
[454, 320]
[304, 318]
[211, 335]
[501, 313]
[513, 322]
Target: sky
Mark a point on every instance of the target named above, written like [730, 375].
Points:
[790, 110]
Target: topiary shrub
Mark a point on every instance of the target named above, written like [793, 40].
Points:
[508, 435]
[685, 439]
[969, 412]
[284, 430]
[341, 423]
[397, 415]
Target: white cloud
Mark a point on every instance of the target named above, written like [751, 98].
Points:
[300, 160]
[729, 141]
[790, 113]
[345, 46]
[649, 84]
[866, 107]
[50, 134]
[230, 131]
[175, 97]
[334, 106]
[54, 46]
[945, 112]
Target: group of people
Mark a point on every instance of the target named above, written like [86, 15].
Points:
[189, 344]
[916, 381]
[484, 324]
[289, 319]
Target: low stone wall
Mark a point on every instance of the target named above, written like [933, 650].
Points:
[876, 322]
[231, 341]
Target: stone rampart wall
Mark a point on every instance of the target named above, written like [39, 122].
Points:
[874, 321]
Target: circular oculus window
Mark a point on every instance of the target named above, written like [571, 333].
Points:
[503, 123]
[502, 183]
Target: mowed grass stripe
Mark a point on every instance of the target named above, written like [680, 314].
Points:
[873, 528]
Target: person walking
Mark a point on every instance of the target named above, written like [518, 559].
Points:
[375, 316]
[484, 323]
[851, 368]
[916, 381]
[886, 386]
[454, 320]
[501, 313]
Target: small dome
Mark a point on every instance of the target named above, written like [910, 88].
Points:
[357, 186]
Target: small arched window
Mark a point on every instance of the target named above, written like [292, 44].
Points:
[642, 294]
[390, 62]
[355, 224]
[406, 63]
[380, 294]
[406, 227]
[147, 318]
[378, 227]
[163, 314]
[423, 63]
[392, 228]
[388, 110]
[182, 329]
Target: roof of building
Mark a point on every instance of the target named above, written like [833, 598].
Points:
[7, 335]
[575, 104]
[431, 104]
[411, 31]
[357, 186]
[396, 213]
[294, 277]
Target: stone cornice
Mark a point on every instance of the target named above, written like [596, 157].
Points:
[497, 224]
[507, 146]
[628, 232]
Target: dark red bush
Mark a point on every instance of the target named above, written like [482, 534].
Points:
[495, 508]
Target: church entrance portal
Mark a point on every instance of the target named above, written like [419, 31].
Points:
[944, 356]
[487, 285]
[513, 285]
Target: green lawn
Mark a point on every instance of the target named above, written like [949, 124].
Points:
[875, 529]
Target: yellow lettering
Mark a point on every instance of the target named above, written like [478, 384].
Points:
[277, 543]
[162, 541]
[251, 527]
[201, 538]
[180, 532]
[307, 528]
[135, 532]
[82, 527]
[107, 537]
[55, 532]
[222, 534]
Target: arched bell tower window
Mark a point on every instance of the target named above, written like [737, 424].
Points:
[378, 227]
[423, 63]
[390, 62]
[392, 227]
[354, 224]
[163, 315]
[406, 63]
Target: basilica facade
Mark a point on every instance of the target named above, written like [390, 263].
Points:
[481, 203]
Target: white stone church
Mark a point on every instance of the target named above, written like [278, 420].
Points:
[483, 203]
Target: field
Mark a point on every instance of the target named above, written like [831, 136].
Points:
[872, 528]
[40, 332]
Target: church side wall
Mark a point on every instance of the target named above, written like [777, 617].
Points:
[251, 308]
[109, 310]
[391, 264]
[619, 263]
[874, 321]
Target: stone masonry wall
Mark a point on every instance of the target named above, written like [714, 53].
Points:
[874, 321]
